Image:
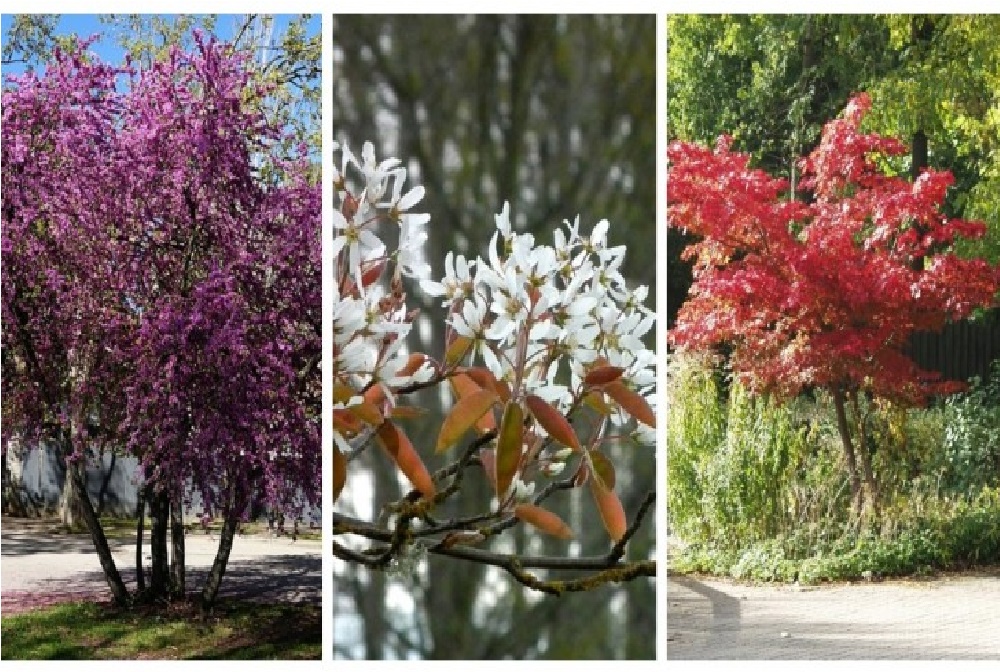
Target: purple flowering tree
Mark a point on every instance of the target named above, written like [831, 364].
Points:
[161, 289]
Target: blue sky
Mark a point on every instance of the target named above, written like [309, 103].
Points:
[85, 25]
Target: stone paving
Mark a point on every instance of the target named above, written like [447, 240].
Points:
[38, 567]
[949, 617]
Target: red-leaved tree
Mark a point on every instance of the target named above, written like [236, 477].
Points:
[161, 289]
[823, 292]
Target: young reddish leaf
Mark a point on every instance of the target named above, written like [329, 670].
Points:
[553, 421]
[372, 271]
[463, 416]
[604, 470]
[399, 447]
[503, 389]
[339, 472]
[602, 375]
[488, 460]
[582, 475]
[483, 377]
[375, 394]
[457, 350]
[346, 422]
[413, 363]
[508, 457]
[632, 402]
[463, 386]
[544, 520]
[367, 412]
[610, 507]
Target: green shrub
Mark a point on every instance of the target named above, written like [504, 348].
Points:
[760, 491]
[695, 431]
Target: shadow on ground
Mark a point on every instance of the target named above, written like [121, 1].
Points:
[47, 542]
[281, 579]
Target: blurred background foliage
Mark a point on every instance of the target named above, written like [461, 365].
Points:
[557, 115]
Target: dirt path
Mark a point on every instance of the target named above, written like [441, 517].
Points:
[954, 617]
[38, 567]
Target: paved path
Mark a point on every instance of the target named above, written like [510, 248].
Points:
[38, 567]
[954, 617]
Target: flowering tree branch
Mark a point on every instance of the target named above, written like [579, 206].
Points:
[545, 365]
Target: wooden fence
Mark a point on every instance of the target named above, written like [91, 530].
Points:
[961, 350]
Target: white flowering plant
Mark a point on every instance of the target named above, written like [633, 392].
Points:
[544, 359]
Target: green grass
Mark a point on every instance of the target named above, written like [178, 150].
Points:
[236, 631]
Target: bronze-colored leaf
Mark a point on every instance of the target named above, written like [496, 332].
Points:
[604, 471]
[401, 450]
[407, 412]
[582, 475]
[463, 416]
[544, 520]
[342, 393]
[463, 386]
[509, 441]
[367, 412]
[482, 377]
[413, 364]
[596, 401]
[339, 472]
[457, 350]
[632, 402]
[345, 422]
[602, 375]
[553, 421]
[611, 510]
[375, 394]
[488, 460]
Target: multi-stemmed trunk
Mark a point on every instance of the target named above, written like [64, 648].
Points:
[863, 486]
[75, 474]
[231, 521]
[177, 581]
[159, 514]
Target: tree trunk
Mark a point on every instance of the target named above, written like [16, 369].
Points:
[102, 495]
[73, 493]
[119, 592]
[177, 583]
[140, 515]
[159, 512]
[231, 522]
[863, 454]
[845, 437]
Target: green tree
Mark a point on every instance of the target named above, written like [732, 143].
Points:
[772, 80]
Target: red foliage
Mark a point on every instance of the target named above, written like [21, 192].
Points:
[825, 291]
